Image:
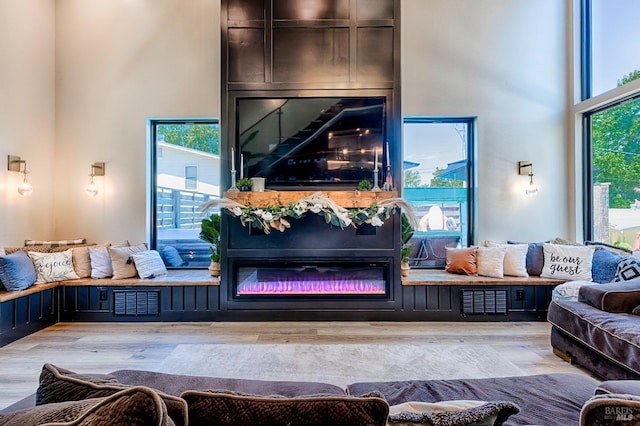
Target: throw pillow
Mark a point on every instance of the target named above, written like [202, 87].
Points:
[121, 261]
[149, 264]
[51, 267]
[17, 272]
[490, 261]
[605, 265]
[234, 408]
[58, 385]
[2, 252]
[463, 412]
[636, 310]
[535, 257]
[100, 262]
[171, 256]
[461, 261]
[567, 262]
[55, 243]
[82, 260]
[628, 268]
[515, 259]
[137, 406]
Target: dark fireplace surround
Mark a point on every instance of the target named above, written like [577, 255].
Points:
[276, 50]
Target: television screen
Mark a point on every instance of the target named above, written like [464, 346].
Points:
[309, 141]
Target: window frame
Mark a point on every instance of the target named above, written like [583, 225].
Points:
[152, 125]
[470, 153]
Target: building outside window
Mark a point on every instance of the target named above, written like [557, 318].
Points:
[438, 184]
[186, 173]
[611, 126]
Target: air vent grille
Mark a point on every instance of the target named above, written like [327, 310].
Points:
[137, 303]
[480, 302]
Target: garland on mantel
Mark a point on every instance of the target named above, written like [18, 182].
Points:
[276, 216]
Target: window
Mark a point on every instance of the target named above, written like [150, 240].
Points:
[438, 184]
[190, 177]
[186, 173]
[611, 128]
[610, 44]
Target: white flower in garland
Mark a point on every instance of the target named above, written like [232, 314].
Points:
[267, 216]
[316, 208]
[376, 221]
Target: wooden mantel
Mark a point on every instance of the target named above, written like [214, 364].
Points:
[346, 199]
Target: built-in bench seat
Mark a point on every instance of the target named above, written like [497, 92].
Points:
[441, 277]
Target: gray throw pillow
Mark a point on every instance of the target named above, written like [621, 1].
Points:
[535, 257]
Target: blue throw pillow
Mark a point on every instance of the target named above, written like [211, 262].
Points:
[604, 265]
[17, 271]
[535, 257]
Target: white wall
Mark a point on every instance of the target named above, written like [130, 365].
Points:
[27, 117]
[120, 62]
[504, 62]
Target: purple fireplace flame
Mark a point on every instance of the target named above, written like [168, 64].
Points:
[310, 281]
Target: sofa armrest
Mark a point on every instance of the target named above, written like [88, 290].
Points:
[610, 409]
[630, 387]
[620, 297]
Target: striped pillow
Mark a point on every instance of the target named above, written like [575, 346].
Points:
[57, 243]
[149, 264]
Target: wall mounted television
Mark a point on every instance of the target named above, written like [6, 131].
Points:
[322, 142]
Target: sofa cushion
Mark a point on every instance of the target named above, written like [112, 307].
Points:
[137, 406]
[462, 261]
[17, 272]
[545, 399]
[52, 267]
[613, 297]
[58, 385]
[611, 336]
[233, 408]
[567, 262]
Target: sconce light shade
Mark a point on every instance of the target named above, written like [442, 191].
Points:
[15, 165]
[97, 169]
[526, 168]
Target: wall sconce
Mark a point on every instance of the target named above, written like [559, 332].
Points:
[526, 168]
[15, 165]
[97, 169]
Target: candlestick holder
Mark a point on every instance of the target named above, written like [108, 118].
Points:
[388, 180]
[233, 182]
[375, 181]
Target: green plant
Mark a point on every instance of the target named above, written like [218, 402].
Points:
[364, 185]
[406, 232]
[244, 183]
[210, 232]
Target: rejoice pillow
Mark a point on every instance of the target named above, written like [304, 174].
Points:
[52, 267]
[567, 262]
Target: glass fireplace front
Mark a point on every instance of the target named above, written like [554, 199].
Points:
[317, 279]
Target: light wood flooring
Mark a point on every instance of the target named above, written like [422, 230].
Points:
[106, 347]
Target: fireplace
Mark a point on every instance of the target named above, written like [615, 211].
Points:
[311, 278]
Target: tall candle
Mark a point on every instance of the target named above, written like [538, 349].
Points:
[233, 161]
[388, 162]
[375, 159]
[241, 166]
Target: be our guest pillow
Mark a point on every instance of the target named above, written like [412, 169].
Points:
[567, 262]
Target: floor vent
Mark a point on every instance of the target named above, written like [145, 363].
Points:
[137, 303]
[480, 302]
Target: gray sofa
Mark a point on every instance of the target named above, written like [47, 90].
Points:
[189, 400]
[601, 330]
